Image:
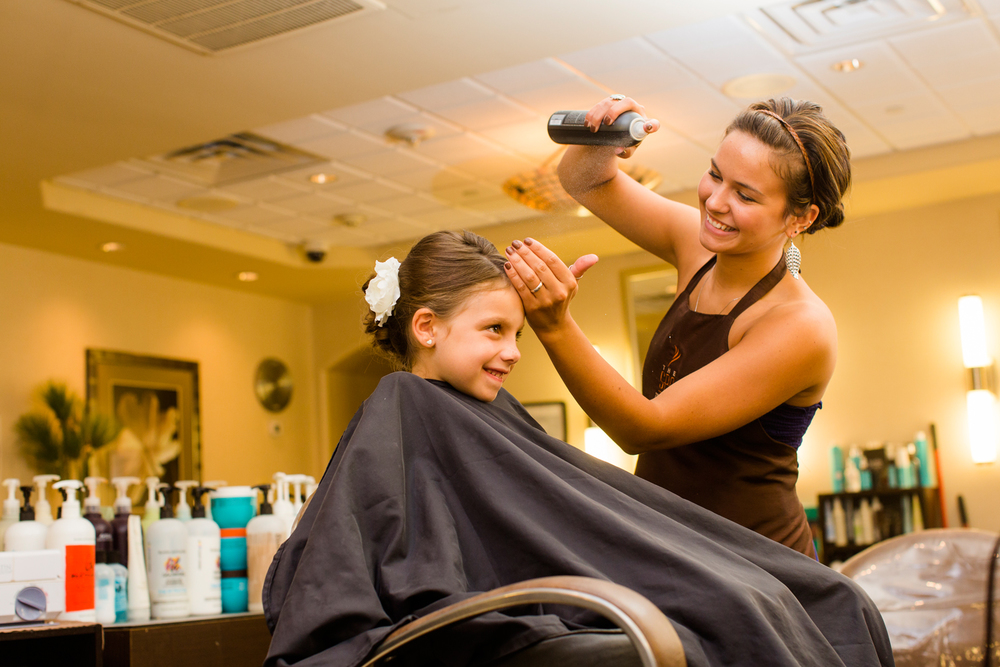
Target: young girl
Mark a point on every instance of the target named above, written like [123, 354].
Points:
[443, 486]
[448, 313]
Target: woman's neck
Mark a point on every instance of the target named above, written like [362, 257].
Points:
[739, 273]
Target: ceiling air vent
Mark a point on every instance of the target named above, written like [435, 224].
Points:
[235, 158]
[211, 26]
[809, 25]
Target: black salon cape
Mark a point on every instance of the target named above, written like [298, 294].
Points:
[433, 496]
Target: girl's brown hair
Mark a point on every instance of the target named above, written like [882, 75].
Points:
[822, 144]
[440, 272]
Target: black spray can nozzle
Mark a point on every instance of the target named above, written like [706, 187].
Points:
[566, 127]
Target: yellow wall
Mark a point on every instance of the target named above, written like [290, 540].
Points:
[52, 308]
[893, 282]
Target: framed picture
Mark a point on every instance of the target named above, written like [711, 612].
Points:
[156, 402]
[551, 416]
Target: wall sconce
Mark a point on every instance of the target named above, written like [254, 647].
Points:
[980, 399]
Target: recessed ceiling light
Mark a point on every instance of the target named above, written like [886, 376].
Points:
[208, 204]
[113, 246]
[350, 219]
[322, 178]
[247, 276]
[849, 65]
[753, 86]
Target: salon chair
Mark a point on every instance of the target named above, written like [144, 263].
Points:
[931, 588]
[645, 638]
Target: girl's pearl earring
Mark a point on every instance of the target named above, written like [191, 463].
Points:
[430, 341]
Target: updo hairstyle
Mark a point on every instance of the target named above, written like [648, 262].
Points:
[829, 156]
[440, 272]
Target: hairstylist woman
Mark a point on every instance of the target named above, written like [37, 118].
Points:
[737, 368]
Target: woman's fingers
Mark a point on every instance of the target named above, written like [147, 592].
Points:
[581, 265]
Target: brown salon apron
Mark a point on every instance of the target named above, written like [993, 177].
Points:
[744, 475]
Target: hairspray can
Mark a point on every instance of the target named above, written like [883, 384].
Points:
[566, 127]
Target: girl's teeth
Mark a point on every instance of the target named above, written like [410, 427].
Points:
[720, 226]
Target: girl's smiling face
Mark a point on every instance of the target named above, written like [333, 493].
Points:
[474, 349]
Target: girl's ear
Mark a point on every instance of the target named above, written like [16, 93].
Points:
[798, 224]
[422, 327]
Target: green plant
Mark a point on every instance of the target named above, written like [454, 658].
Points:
[64, 434]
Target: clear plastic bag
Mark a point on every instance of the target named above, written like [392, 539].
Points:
[931, 589]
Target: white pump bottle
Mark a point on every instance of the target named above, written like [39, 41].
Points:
[43, 510]
[11, 506]
[183, 511]
[75, 537]
[27, 534]
[153, 503]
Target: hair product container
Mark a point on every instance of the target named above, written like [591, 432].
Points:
[232, 509]
[566, 127]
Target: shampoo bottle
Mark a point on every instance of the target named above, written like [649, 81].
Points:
[265, 533]
[837, 468]
[92, 513]
[104, 589]
[11, 508]
[566, 127]
[119, 525]
[27, 534]
[283, 508]
[839, 523]
[138, 588]
[152, 503]
[923, 457]
[43, 510]
[852, 473]
[183, 510]
[212, 486]
[166, 544]
[74, 537]
[121, 585]
[204, 545]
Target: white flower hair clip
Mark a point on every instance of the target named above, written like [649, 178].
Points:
[383, 289]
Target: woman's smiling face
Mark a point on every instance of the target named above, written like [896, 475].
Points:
[743, 201]
[476, 348]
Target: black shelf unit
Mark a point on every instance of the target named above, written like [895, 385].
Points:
[891, 521]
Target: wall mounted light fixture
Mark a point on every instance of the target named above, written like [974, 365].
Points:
[981, 402]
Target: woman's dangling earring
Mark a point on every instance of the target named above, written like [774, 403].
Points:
[793, 260]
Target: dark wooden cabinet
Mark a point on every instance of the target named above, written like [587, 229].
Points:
[233, 640]
[56, 643]
[890, 521]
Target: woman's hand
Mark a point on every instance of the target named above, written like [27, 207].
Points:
[544, 283]
[607, 110]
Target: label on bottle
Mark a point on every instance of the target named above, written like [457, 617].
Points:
[79, 577]
[204, 575]
[166, 573]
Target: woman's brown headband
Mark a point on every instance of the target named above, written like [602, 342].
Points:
[795, 136]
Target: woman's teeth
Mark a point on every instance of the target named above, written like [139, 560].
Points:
[718, 225]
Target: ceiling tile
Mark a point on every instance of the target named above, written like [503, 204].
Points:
[530, 139]
[444, 95]
[458, 149]
[429, 178]
[254, 215]
[318, 205]
[546, 101]
[410, 205]
[391, 231]
[484, 114]
[883, 76]
[113, 174]
[710, 50]
[976, 103]
[909, 121]
[336, 146]
[298, 130]
[497, 170]
[159, 188]
[263, 189]
[373, 114]
[623, 54]
[293, 228]
[299, 178]
[367, 191]
[692, 110]
[951, 54]
[538, 74]
[449, 219]
[390, 161]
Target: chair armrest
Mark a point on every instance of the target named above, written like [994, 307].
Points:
[646, 626]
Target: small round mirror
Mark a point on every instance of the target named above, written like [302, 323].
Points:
[273, 385]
